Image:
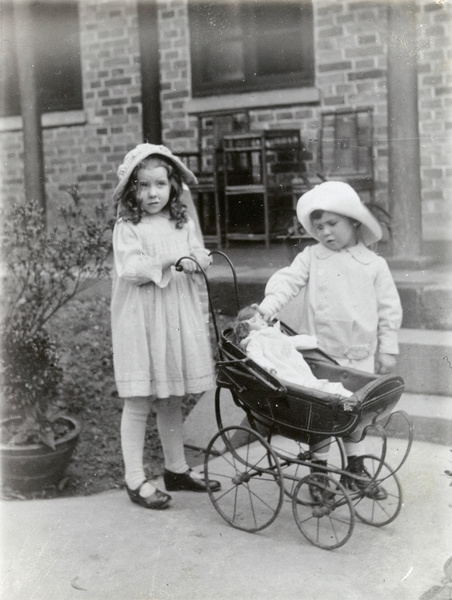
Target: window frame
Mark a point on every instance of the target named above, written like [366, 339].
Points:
[62, 96]
[303, 78]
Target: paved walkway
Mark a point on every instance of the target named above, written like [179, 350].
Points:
[104, 547]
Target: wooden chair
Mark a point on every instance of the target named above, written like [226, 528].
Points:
[212, 126]
[258, 168]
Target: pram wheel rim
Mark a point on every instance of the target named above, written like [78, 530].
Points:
[237, 456]
[327, 523]
[245, 379]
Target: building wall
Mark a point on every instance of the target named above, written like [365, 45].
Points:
[86, 147]
[435, 117]
[351, 62]
[351, 42]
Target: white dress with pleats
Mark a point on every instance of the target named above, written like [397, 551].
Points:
[160, 334]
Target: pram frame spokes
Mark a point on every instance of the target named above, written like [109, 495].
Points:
[303, 416]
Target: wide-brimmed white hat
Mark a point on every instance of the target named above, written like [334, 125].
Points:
[139, 153]
[340, 198]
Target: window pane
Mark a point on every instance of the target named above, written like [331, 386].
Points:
[217, 42]
[278, 54]
[59, 69]
[9, 82]
[241, 45]
[56, 43]
[280, 27]
[225, 62]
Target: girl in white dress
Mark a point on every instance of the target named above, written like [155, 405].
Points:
[161, 347]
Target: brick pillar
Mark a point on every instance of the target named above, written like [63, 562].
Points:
[403, 133]
[29, 105]
[150, 70]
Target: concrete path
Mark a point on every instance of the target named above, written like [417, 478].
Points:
[104, 547]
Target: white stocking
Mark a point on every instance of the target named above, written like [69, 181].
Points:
[320, 450]
[133, 431]
[170, 428]
[355, 448]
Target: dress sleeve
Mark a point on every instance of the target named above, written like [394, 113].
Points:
[131, 262]
[389, 310]
[286, 283]
[187, 199]
[194, 243]
[303, 341]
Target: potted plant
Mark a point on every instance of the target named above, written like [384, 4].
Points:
[43, 269]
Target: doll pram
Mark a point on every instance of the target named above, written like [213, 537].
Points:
[269, 457]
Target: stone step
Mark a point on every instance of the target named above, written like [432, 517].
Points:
[425, 306]
[425, 361]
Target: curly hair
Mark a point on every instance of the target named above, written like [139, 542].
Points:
[130, 208]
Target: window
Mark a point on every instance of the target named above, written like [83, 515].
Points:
[56, 43]
[244, 45]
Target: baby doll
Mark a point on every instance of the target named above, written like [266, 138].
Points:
[278, 353]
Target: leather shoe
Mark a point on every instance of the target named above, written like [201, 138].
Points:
[157, 501]
[177, 482]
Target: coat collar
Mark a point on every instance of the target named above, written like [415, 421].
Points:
[359, 252]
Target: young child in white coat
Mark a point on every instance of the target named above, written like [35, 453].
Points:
[161, 348]
[351, 303]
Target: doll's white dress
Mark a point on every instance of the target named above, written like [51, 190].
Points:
[159, 326]
[278, 354]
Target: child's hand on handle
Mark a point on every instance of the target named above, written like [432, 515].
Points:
[188, 266]
[267, 315]
[202, 256]
[385, 363]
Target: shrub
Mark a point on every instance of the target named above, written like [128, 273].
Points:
[43, 270]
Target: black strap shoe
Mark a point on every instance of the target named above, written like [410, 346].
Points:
[178, 482]
[157, 501]
[361, 480]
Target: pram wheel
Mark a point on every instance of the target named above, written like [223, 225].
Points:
[370, 509]
[327, 521]
[295, 459]
[251, 495]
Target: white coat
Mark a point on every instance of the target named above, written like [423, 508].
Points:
[350, 301]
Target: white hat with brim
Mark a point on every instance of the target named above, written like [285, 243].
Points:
[138, 154]
[340, 198]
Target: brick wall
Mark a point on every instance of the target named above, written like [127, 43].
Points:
[89, 151]
[435, 117]
[179, 130]
[351, 65]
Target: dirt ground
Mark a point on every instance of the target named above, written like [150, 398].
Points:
[82, 330]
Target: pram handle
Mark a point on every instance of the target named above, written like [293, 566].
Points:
[178, 267]
[201, 270]
[234, 274]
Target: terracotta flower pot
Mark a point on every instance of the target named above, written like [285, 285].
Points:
[34, 466]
